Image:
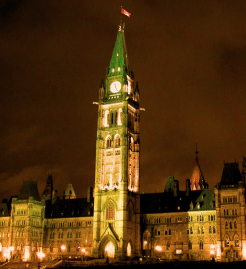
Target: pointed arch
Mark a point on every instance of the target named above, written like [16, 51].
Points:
[108, 247]
[236, 240]
[120, 116]
[106, 118]
[110, 210]
[130, 210]
[117, 140]
[226, 240]
[146, 240]
[129, 249]
[108, 141]
[201, 244]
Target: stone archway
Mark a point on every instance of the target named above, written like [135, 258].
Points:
[108, 247]
[129, 250]
[109, 250]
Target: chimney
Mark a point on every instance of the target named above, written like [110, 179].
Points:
[187, 187]
[89, 194]
[176, 188]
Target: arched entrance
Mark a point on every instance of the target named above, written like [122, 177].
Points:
[109, 250]
[108, 247]
[129, 250]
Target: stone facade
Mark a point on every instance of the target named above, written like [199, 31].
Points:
[115, 220]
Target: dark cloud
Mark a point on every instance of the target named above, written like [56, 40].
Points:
[188, 57]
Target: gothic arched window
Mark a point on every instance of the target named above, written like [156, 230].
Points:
[110, 211]
[117, 141]
[108, 142]
[236, 240]
[201, 244]
[227, 242]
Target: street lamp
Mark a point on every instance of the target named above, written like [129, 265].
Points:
[40, 255]
[158, 249]
[63, 248]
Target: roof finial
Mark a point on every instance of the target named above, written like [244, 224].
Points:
[196, 152]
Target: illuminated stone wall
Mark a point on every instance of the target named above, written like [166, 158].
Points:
[73, 233]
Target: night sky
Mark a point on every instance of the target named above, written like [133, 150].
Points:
[189, 58]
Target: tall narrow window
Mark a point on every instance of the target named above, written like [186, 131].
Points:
[110, 211]
[236, 240]
[201, 244]
[108, 142]
[116, 117]
[120, 117]
[112, 118]
[117, 141]
[226, 241]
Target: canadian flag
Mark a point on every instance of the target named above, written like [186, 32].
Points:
[123, 11]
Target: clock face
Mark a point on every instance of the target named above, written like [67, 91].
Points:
[115, 86]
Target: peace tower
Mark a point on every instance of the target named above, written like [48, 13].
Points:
[116, 228]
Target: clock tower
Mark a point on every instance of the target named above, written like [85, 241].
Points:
[116, 226]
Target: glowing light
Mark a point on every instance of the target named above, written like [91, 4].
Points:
[244, 252]
[212, 248]
[110, 250]
[26, 255]
[63, 247]
[40, 255]
[129, 250]
[83, 251]
[6, 254]
[158, 248]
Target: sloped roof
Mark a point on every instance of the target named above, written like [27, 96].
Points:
[205, 201]
[197, 179]
[165, 202]
[170, 184]
[231, 174]
[119, 57]
[68, 208]
[29, 189]
[69, 192]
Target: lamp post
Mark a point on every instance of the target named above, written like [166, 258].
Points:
[83, 253]
[63, 248]
[40, 255]
[158, 249]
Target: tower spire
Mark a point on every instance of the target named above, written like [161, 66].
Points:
[196, 152]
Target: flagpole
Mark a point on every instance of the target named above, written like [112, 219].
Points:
[121, 19]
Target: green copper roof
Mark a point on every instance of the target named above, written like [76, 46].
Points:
[119, 64]
[170, 184]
